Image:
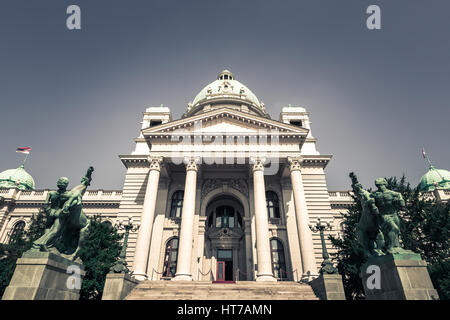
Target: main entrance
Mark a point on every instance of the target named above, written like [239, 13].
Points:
[224, 238]
[224, 265]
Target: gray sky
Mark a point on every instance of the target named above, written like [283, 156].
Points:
[77, 97]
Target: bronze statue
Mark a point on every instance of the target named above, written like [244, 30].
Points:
[389, 203]
[67, 222]
[378, 228]
[368, 227]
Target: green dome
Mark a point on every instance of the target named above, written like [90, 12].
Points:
[435, 178]
[16, 178]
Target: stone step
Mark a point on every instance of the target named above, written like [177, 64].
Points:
[206, 290]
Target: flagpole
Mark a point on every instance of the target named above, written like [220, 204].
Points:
[25, 160]
[429, 162]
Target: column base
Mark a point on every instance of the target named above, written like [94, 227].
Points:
[266, 277]
[182, 277]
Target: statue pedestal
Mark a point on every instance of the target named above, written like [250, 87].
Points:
[118, 286]
[45, 276]
[328, 287]
[401, 277]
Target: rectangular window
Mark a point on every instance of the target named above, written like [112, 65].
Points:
[224, 254]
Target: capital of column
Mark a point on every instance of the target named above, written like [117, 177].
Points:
[258, 163]
[155, 163]
[192, 163]
[295, 163]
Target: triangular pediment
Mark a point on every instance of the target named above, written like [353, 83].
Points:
[225, 121]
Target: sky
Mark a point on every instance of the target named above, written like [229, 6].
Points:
[375, 97]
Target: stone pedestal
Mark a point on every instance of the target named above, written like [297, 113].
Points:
[118, 286]
[45, 276]
[401, 277]
[328, 287]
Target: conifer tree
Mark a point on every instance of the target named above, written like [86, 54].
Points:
[100, 251]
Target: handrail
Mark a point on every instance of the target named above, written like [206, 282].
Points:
[239, 271]
[156, 273]
[204, 274]
[292, 272]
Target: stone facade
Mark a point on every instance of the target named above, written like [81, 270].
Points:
[243, 213]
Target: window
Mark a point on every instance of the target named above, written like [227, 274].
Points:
[278, 262]
[297, 123]
[17, 231]
[177, 204]
[273, 207]
[155, 123]
[225, 217]
[170, 258]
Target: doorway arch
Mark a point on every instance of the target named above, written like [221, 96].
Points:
[225, 240]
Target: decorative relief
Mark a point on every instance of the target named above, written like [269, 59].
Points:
[237, 184]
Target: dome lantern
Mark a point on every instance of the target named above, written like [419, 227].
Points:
[226, 91]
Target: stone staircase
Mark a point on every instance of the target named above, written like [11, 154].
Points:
[206, 290]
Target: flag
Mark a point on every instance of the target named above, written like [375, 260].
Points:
[423, 153]
[25, 150]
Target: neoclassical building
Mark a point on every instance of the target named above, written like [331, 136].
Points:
[223, 193]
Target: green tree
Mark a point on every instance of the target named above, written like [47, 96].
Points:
[425, 229]
[18, 243]
[100, 251]
[350, 254]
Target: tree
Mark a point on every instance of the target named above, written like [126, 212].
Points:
[19, 243]
[100, 251]
[350, 253]
[425, 229]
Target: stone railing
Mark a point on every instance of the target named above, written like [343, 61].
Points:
[41, 195]
[340, 195]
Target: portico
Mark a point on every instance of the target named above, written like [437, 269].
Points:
[216, 204]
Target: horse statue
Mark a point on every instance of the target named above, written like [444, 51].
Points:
[67, 222]
[368, 227]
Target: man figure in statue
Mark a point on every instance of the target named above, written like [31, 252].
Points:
[368, 228]
[68, 223]
[389, 203]
[52, 207]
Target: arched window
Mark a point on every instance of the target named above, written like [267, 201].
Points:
[273, 206]
[278, 261]
[225, 217]
[17, 231]
[177, 204]
[170, 258]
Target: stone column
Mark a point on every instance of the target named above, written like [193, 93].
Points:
[262, 224]
[301, 212]
[146, 225]
[187, 222]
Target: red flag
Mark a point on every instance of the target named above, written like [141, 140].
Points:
[25, 150]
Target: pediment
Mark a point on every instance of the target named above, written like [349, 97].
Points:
[225, 121]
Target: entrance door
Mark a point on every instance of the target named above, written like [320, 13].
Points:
[220, 271]
[224, 265]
